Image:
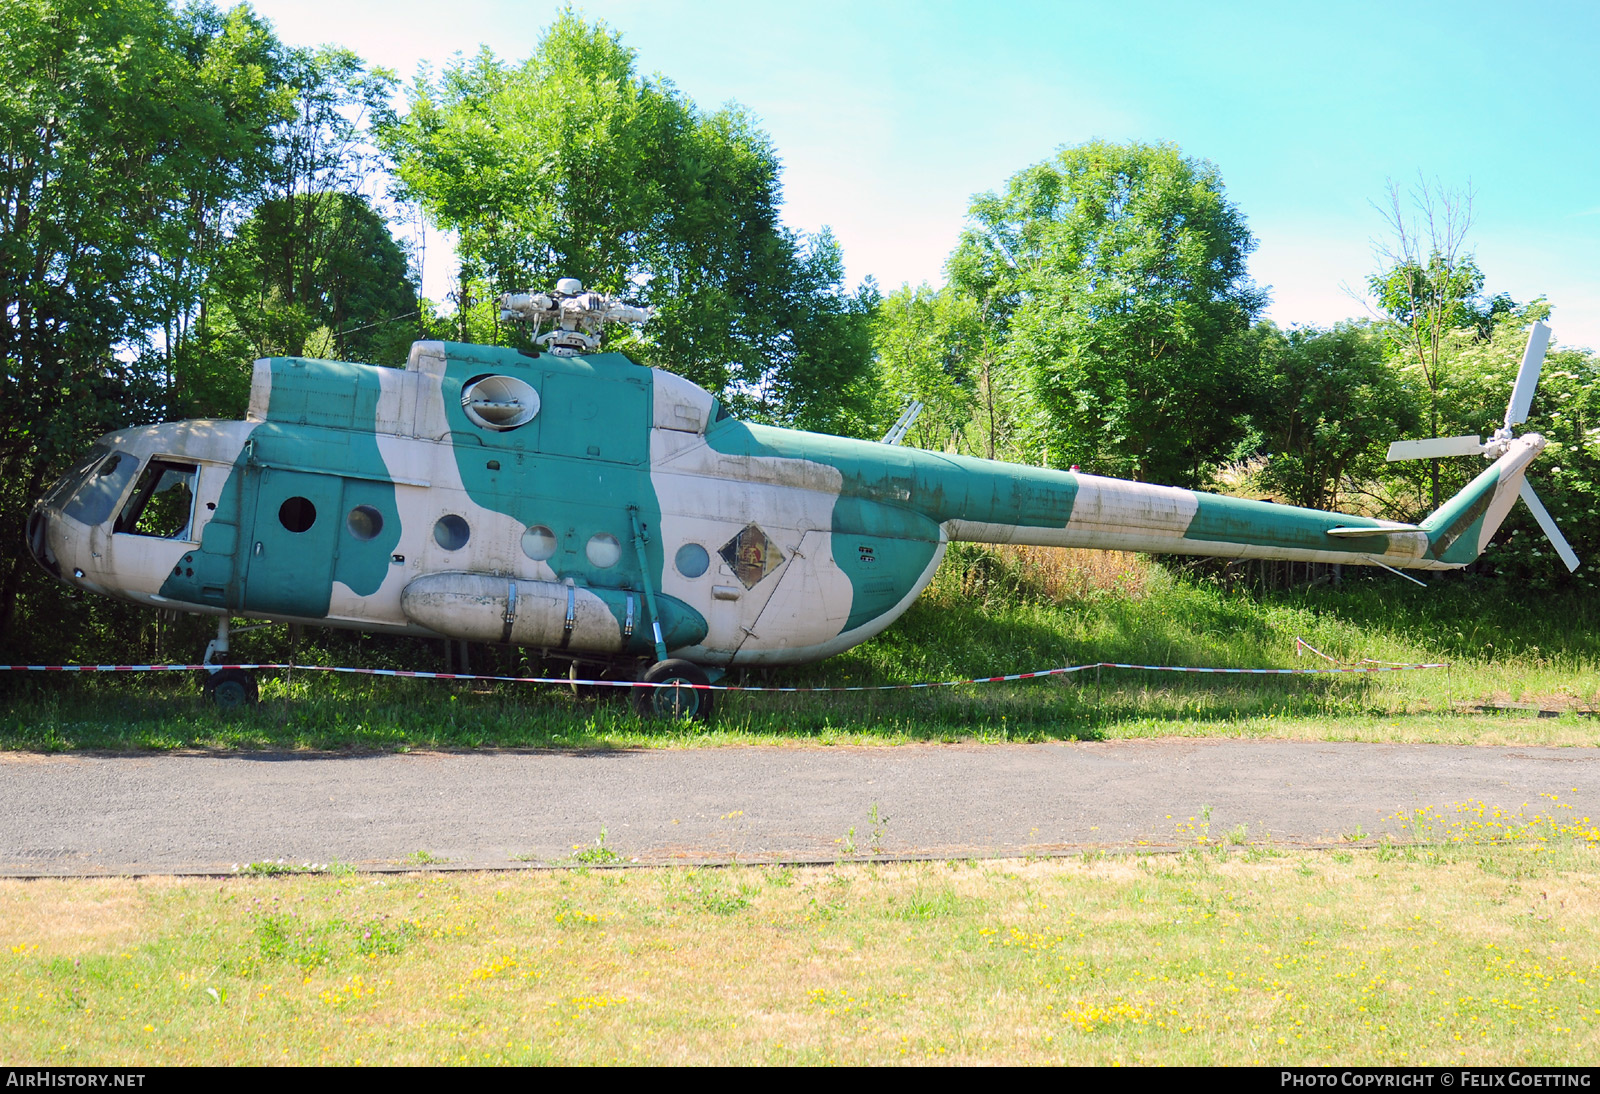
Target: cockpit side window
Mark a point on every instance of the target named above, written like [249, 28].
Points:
[101, 486]
[162, 504]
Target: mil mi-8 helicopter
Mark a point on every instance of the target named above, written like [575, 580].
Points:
[570, 500]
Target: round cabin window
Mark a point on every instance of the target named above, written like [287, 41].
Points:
[538, 542]
[297, 514]
[692, 560]
[451, 532]
[364, 522]
[603, 550]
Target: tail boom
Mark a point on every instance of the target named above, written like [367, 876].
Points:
[1115, 515]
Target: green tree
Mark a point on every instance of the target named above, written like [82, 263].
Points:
[129, 135]
[231, 65]
[572, 165]
[1429, 289]
[309, 266]
[313, 238]
[927, 343]
[813, 369]
[1118, 272]
[1565, 411]
[986, 270]
[344, 293]
[1330, 403]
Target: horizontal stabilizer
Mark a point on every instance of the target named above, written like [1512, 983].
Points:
[1434, 448]
[902, 425]
[1388, 529]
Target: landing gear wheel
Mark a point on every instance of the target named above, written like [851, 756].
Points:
[231, 689]
[585, 670]
[680, 702]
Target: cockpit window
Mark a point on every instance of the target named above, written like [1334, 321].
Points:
[102, 486]
[162, 504]
[66, 484]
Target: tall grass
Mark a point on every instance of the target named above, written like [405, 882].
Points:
[989, 612]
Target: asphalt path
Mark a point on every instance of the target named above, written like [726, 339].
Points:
[182, 813]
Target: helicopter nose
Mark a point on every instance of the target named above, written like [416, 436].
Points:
[39, 541]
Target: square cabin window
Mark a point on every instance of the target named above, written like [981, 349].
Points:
[162, 505]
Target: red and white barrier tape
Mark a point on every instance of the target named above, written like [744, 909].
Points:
[1063, 670]
[1301, 643]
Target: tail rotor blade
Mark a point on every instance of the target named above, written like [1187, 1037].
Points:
[1542, 515]
[1527, 375]
[1434, 448]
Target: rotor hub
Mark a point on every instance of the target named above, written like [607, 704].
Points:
[577, 316]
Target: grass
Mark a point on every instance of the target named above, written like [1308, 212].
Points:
[596, 853]
[1467, 948]
[268, 868]
[988, 613]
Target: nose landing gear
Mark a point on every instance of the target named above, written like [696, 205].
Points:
[232, 689]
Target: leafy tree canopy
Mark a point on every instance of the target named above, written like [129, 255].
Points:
[312, 275]
[1329, 406]
[138, 142]
[928, 346]
[1119, 271]
[131, 133]
[572, 165]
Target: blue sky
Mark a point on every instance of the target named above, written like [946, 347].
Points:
[890, 116]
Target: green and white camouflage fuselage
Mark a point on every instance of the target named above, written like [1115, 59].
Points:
[627, 501]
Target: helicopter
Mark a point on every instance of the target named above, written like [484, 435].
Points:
[566, 499]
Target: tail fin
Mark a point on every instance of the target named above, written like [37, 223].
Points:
[1463, 526]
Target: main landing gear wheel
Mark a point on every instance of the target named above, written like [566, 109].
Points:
[231, 689]
[689, 701]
